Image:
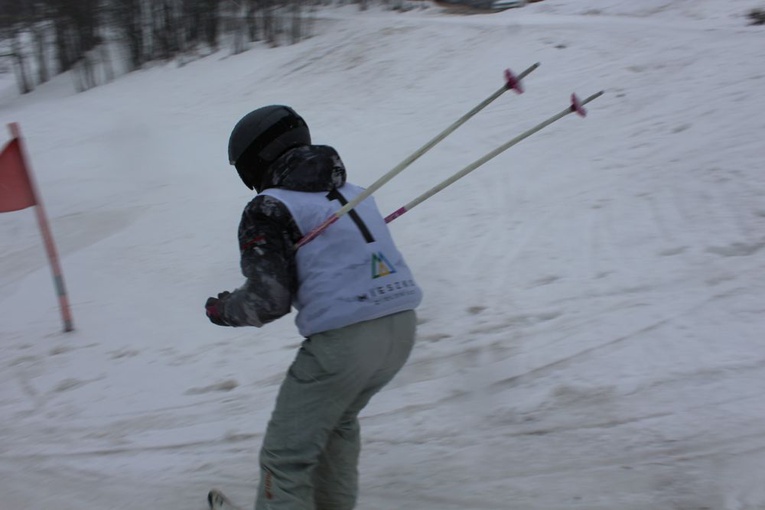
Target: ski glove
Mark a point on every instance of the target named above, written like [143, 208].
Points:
[214, 308]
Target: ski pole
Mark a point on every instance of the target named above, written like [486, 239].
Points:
[576, 106]
[512, 82]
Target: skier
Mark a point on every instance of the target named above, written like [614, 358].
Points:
[354, 295]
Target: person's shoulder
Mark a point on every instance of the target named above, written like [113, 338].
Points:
[266, 205]
[266, 213]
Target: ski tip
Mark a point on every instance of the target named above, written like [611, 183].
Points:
[576, 106]
[215, 499]
[512, 82]
[218, 501]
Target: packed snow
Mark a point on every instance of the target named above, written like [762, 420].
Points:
[593, 329]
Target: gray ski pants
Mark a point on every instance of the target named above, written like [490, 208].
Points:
[310, 452]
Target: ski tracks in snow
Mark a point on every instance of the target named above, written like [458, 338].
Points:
[633, 262]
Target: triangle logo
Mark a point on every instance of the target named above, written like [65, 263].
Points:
[381, 266]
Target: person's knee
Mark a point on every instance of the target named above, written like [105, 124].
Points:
[348, 426]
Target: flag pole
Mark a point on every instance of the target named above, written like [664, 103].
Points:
[50, 246]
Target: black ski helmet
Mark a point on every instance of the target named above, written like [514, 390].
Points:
[260, 137]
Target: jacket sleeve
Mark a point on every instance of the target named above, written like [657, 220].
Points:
[267, 234]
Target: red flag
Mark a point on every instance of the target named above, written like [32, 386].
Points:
[16, 190]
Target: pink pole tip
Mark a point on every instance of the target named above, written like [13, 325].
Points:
[512, 82]
[395, 214]
[576, 106]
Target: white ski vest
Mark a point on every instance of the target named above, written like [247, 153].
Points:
[353, 271]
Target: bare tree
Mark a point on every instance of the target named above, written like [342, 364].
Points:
[267, 11]
[39, 29]
[20, 63]
[296, 21]
[210, 22]
[240, 26]
[126, 17]
[24, 28]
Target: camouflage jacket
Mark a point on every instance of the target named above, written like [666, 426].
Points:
[268, 233]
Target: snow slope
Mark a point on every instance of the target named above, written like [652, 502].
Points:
[592, 334]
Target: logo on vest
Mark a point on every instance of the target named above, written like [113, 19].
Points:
[381, 266]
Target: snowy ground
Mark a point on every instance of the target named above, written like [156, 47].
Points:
[593, 331]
